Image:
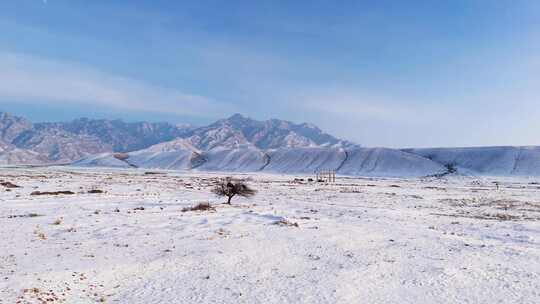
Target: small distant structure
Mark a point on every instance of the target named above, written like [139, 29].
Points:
[328, 176]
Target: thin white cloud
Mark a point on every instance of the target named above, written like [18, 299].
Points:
[504, 117]
[353, 104]
[39, 81]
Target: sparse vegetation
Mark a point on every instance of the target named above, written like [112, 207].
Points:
[95, 191]
[153, 173]
[231, 188]
[52, 193]
[23, 215]
[204, 206]
[285, 222]
[9, 185]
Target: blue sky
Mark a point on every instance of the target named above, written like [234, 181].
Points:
[381, 73]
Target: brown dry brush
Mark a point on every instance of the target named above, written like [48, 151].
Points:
[231, 188]
[9, 185]
[95, 191]
[52, 193]
[204, 206]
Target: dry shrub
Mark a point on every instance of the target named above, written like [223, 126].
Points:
[204, 206]
[52, 193]
[154, 173]
[9, 185]
[285, 222]
[230, 188]
[95, 191]
[23, 215]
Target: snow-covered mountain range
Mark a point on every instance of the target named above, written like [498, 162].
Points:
[64, 142]
[239, 131]
[242, 144]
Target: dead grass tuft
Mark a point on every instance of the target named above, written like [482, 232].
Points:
[204, 206]
[285, 222]
[52, 193]
[95, 191]
[9, 185]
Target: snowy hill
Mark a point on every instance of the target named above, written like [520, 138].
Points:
[178, 154]
[496, 161]
[305, 160]
[108, 160]
[354, 162]
[493, 161]
[388, 162]
[175, 155]
[241, 160]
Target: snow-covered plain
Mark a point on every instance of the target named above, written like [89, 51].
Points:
[359, 240]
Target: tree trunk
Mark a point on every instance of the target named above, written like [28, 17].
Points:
[229, 200]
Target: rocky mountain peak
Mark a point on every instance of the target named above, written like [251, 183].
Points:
[68, 141]
[11, 126]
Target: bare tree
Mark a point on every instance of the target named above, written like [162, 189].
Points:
[231, 188]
